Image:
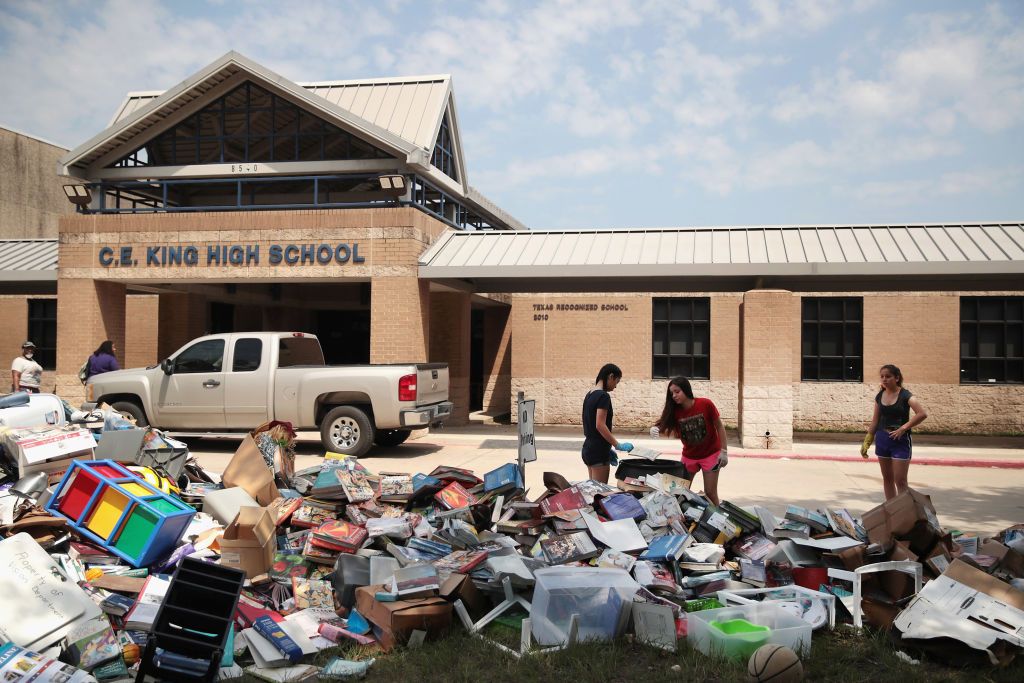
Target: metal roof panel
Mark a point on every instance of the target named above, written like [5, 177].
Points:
[945, 243]
[738, 246]
[581, 253]
[848, 243]
[775, 245]
[926, 244]
[966, 244]
[868, 245]
[1010, 239]
[702, 246]
[794, 246]
[757, 245]
[720, 251]
[650, 247]
[685, 247]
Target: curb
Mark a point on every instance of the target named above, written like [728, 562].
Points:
[958, 462]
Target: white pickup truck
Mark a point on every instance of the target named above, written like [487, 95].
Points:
[235, 382]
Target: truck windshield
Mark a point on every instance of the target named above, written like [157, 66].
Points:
[299, 351]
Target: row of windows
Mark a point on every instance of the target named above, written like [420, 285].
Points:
[832, 339]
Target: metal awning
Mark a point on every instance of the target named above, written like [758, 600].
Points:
[506, 261]
[28, 260]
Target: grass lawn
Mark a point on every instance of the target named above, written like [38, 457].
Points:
[837, 656]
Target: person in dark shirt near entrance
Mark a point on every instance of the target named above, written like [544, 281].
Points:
[698, 425]
[103, 360]
[598, 442]
[890, 429]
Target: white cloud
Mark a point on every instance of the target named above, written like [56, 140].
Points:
[500, 59]
[63, 78]
[570, 166]
[965, 68]
[987, 182]
[588, 112]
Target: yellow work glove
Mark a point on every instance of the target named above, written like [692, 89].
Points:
[866, 444]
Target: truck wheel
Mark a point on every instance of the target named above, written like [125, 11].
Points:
[133, 409]
[347, 430]
[392, 437]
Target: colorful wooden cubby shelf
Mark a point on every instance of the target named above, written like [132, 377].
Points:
[112, 507]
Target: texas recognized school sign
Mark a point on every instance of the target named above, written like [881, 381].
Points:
[322, 254]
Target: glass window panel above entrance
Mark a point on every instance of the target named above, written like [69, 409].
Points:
[250, 124]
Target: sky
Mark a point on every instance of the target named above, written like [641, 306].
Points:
[608, 114]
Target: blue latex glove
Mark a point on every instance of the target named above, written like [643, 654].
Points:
[612, 458]
[624, 446]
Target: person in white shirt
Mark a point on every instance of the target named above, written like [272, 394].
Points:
[26, 373]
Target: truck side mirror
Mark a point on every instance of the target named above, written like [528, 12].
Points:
[167, 365]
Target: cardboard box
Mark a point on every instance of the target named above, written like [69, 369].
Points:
[48, 449]
[1010, 562]
[249, 541]
[909, 514]
[249, 470]
[967, 605]
[396, 620]
[461, 587]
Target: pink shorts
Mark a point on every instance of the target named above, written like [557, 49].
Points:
[708, 464]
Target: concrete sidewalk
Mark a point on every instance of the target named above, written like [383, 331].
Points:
[974, 499]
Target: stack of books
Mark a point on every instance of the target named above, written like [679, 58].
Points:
[395, 487]
[339, 536]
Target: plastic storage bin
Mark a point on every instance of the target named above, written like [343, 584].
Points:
[600, 597]
[821, 614]
[194, 621]
[786, 629]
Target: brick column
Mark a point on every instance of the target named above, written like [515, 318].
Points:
[766, 373]
[88, 312]
[449, 343]
[141, 330]
[497, 360]
[182, 319]
[399, 319]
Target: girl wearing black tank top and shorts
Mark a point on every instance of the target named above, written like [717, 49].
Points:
[890, 429]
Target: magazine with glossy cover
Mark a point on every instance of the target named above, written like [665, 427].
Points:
[569, 548]
[415, 579]
[455, 496]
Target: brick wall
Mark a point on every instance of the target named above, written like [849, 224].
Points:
[88, 312]
[141, 330]
[766, 392]
[555, 360]
[449, 343]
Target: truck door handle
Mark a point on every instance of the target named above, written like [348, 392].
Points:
[211, 383]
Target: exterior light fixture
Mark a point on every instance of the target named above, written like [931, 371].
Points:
[392, 184]
[79, 195]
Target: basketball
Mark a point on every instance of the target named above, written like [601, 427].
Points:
[775, 663]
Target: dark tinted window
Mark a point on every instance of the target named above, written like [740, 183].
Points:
[681, 338]
[247, 355]
[206, 356]
[42, 331]
[299, 351]
[992, 339]
[831, 339]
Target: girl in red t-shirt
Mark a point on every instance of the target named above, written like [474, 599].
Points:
[697, 424]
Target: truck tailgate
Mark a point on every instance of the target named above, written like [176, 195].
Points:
[431, 383]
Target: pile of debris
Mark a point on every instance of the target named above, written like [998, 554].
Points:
[121, 556]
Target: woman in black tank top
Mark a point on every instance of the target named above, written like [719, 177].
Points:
[890, 429]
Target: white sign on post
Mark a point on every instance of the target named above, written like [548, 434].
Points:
[527, 448]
